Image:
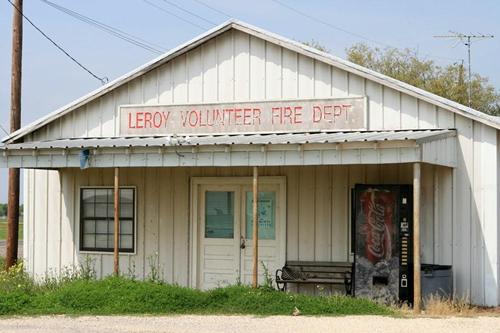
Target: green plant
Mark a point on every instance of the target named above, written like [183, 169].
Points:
[268, 278]
[131, 269]
[87, 269]
[155, 273]
[75, 290]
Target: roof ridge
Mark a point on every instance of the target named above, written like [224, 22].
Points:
[298, 47]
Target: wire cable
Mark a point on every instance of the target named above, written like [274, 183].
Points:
[134, 40]
[328, 24]
[103, 80]
[331, 26]
[189, 12]
[174, 15]
[213, 8]
[3, 129]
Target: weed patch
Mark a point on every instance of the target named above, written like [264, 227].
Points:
[78, 292]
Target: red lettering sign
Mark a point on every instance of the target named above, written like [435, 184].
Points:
[297, 115]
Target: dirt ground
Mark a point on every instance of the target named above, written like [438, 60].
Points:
[244, 324]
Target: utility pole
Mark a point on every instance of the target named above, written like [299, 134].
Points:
[15, 123]
[467, 41]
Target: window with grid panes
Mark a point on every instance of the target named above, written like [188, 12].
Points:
[97, 219]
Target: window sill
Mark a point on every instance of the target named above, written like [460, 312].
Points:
[88, 252]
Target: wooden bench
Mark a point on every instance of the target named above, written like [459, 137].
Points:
[315, 272]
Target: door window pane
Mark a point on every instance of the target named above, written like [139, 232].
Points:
[219, 214]
[267, 215]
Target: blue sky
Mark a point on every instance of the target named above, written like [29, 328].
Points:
[51, 80]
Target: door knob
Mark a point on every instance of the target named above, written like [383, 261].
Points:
[242, 242]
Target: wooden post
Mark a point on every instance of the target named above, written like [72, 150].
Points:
[417, 295]
[15, 123]
[116, 253]
[255, 222]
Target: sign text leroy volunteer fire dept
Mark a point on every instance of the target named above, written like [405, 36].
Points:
[244, 117]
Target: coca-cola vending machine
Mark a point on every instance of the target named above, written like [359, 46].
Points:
[382, 242]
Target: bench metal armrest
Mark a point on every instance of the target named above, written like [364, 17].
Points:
[279, 273]
[348, 283]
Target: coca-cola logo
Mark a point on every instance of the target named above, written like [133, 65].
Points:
[378, 211]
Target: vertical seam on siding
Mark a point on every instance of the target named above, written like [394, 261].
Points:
[233, 80]
[382, 105]
[471, 197]
[202, 72]
[47, 183]
[157, 72]
[217, 77]
[60, 217]
[186, 75]
[249, 68]
[400, 110]
[418, 113]
[297, 75]
[265, 70]
[143, 224]
[281, 73]
[349, 213]
[331, 80]
[34, 224]
[314, 82]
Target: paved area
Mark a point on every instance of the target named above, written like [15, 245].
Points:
[244, 324]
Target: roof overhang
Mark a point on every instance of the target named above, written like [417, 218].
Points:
[318, 148]
[272, 38]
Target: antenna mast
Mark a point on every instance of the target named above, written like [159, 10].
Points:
[467, 41]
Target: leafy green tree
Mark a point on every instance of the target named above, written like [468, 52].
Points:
[317, 45]
[3, 209]
[449, 81]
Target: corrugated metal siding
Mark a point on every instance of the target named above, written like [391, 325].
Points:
[238, 67]
[318, 214]
[235, 66]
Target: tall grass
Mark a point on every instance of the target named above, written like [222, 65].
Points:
[77, 291]
[436, 305]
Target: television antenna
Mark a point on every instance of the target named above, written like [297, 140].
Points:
[467, 41]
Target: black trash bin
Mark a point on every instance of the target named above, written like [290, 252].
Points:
[436, 280]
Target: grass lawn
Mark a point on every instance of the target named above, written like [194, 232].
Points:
[114, 295]
[3, 229]
[84, 295]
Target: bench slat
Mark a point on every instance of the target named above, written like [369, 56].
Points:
[316, 272]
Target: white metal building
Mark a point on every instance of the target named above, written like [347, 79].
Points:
[174, 129]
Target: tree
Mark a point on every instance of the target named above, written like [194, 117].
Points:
[448, 81]
[317, 45]
[3, 210]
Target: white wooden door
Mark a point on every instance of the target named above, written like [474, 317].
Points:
[224, 253]
[219, 256]
[270, 252]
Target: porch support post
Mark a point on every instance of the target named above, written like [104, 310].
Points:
[117, 222]
[255, 222]
[417, 295]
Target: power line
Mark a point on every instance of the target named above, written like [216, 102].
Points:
[174, 15]
[316, 19]
[103, 80]
[3, 129]
[331, 26]
[189, 12]
[134, 40]
[213, 8]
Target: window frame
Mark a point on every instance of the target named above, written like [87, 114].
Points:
[81, 219]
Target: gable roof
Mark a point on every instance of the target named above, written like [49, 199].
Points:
[272, 38]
